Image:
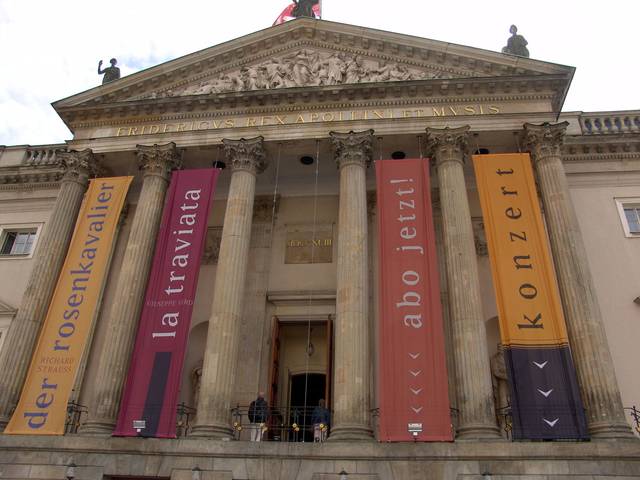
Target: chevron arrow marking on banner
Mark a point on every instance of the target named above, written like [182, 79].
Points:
[415, 392]
[546, 394]
[551, 424]
[414, 355]
[541, 365]
[415, 374]
[417, 410]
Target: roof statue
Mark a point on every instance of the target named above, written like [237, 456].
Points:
[516, 45]
[304, 8]
[110, 73]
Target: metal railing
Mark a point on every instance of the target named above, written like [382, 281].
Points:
[282, 424]
[634, 414]
[74, 417]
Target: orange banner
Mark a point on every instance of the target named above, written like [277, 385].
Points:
[43, 404]
[527, 295]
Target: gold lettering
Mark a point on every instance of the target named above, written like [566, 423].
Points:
[453, 110]
[419, 112]
[265, 120]
[494, 109]
[154, 129]
[314, 117]
[143, 129]
[280, 120]
[378, 114]
[166, 127]
[203, 125]
[300, 119]
[251, 122]
[353, 115]
[229, 123]
[120, 131]
[481, 110]
[133, 131]
[406, 113]
[181, 127]
[328, 117]
[470, 110]
[438, 113]
[340, 118]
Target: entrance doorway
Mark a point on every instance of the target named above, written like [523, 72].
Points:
[306, 389]
[301, 367]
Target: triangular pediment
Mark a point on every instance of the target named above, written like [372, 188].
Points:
[312, 53]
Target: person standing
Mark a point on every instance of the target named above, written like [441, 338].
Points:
[258, 415]
[320, 419]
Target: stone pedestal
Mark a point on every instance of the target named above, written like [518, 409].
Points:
[47, 262]
[476, 413]
[156, 163]
[587, 337]
[351, 404]
[247, 159]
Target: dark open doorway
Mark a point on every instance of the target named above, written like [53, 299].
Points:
[302, 405]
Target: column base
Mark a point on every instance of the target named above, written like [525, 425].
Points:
[611, 431]
[478, 432]
[215, 431]
[97, 427]
[351, 433]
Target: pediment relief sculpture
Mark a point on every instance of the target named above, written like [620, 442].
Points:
[304, 68]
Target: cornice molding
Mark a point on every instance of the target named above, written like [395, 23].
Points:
[310, 102]
[18, 178]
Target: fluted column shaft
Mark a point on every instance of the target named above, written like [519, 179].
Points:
[587, 337]
[156, 163]
[47, 262]
[351, 402]
[476, 413]
[247, 158]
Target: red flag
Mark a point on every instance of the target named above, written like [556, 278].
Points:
[289, 14]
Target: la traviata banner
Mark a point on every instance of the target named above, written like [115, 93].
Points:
[413, 375]
[42, 409]
[545, 400]
[153, 381]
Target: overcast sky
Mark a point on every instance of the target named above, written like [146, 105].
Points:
[50, 48]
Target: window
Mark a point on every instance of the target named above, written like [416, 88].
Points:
[629, 210]
[18, 240]
[632, 215]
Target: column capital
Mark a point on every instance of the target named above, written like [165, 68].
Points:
[352, 148]
[544, 140]
[78, 166]
[246, 154]
[448, 144]
[159, 160]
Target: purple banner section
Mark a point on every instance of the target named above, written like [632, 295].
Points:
[545, 399]
[151, 393]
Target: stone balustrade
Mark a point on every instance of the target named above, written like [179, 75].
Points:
[610, 123]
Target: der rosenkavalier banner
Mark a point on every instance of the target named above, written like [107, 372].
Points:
[414, 401]
[545, 400]
[151, 393]
[42, 409]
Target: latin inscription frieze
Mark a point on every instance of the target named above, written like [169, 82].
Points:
[301, 118]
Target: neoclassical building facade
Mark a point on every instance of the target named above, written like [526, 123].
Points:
[288, 290]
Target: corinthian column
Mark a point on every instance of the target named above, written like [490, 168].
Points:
[247, 159]
[47, 262]
[156, 163]
[476, 414]
[589, 346]
[352, 152]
